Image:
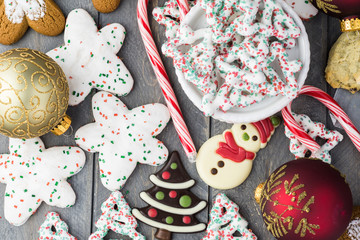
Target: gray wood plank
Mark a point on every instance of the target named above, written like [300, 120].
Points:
[276, 152]
[146, 90]
[78, 217]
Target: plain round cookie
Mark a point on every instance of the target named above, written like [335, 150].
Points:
[343, 69]
[106, 6]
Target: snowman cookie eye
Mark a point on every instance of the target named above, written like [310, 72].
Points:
[254, 138]
[214, 171]
[221, 164]
[243, 127]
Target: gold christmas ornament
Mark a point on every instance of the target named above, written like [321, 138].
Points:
[34, 94]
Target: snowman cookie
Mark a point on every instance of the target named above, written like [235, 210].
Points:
[225, 161]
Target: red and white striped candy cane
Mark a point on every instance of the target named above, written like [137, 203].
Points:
[334, 108]
[183, 7]
[162, 77]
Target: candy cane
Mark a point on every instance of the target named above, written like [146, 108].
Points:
[162, 77]
[334, 108]
[183, 7]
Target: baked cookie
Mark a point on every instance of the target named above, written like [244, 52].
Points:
[44, 16]
[353, 230]
[343, 69]
[106, 6]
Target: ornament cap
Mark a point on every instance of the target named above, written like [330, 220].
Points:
[63, 126]
[349, 25]
[258, 192]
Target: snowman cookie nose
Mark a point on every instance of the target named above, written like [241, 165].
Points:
[225, 161]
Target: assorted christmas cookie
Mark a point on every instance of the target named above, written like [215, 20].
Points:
[171, 205]
[315, 130]
[226, 221]
[303, 8]
[106, 6]
[353, 230]
[54, 228]
[116, 216]
[343, 68]
[305, 199]
[225, 161]
[33, 174]
[123, 137]
[44, 16]
[88, 57]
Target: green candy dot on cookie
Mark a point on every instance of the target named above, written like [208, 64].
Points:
[173, 166]
[275, 121]
[160, 195]
[245, 136]
[169, 220]
[185, 201]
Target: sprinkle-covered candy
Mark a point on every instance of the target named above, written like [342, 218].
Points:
[54, 228]
[116, 216]
[225, 220]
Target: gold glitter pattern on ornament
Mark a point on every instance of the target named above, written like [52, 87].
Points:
[326, 6]
[278, 225]
[34, 93]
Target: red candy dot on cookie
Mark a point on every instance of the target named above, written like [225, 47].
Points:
[152, 212]
[186, 220]
[172, 194]
[165, 175]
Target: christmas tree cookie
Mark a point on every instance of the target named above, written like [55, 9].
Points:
[225, 221]
[172, 205]
[54, 228]
[225, 161]
[116, 216]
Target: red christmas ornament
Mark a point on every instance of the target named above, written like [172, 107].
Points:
[305, 199]
[348, 11]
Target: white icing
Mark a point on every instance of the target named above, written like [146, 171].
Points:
[162, 184]
[89, 57]
[176, 229]
[180, 211]
[354, 229]
[16, 10]
[123, 137]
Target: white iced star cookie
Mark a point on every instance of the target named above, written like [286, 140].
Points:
[123, 137]
[303, 8]
[225, 161]
[33, 174]
[116, 216]
[88, 57]
[54, 228]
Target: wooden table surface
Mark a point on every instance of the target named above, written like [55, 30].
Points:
[323, 32]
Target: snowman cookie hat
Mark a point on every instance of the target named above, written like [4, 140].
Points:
[225, 161]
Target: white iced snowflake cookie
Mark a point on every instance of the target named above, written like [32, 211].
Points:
[303, 8]
[34, 174]
[88, 57]
[116, 216]
[314, 129]
[54, 228]
[123, 137]
[225, 161]
[16, 10]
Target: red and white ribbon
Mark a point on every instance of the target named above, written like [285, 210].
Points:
[162, 77]
[334, 108]
[183, 7]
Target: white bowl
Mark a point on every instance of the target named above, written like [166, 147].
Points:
[268, 106]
